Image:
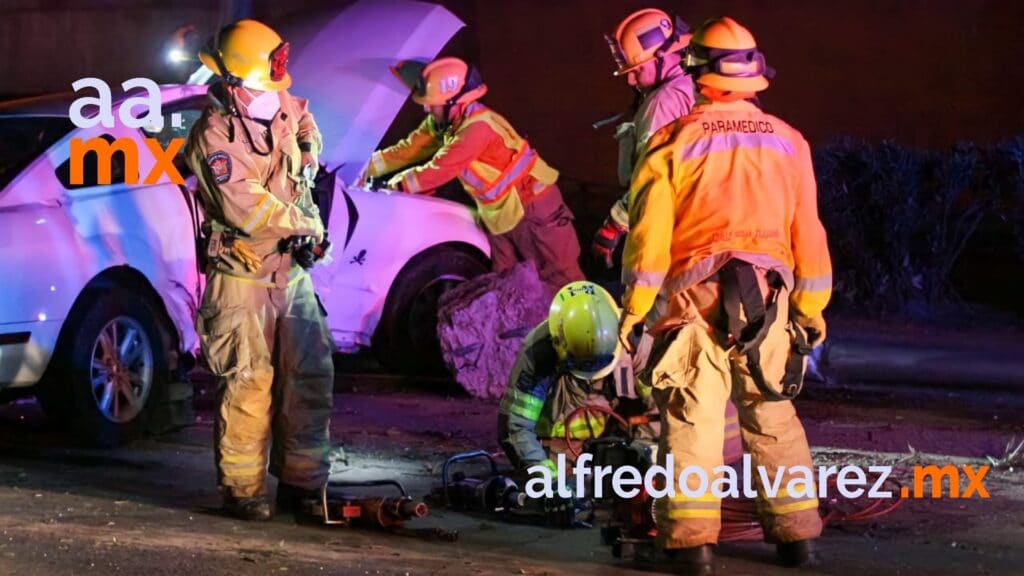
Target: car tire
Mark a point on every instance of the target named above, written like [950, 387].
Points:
[109, 369]
[406, 337]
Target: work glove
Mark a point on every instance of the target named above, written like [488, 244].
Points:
[302, 254]
[323, 249]
[627, 323]
[246, 255]
[642, 353]
[606, 240]
[306, 252]
[814, 326]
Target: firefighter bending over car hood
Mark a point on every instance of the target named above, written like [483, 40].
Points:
[517, 199]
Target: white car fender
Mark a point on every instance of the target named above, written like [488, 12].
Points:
[375, 234]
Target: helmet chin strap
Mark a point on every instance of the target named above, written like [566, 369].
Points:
[473, 81]
[679, 28]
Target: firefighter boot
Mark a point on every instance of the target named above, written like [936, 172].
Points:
[798, 553]
[695, 561]
[250, 509]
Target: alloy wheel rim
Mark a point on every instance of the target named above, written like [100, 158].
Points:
[121, 371]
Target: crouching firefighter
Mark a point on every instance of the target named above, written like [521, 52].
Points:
[259, 323]
[517, 200]
[564, 363]
[727, 253]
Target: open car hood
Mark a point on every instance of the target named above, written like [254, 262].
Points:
[339, 62]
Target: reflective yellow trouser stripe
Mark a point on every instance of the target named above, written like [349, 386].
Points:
[239, 466]
[703, 506]
[783, 503]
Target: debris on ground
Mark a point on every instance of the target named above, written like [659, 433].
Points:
[482, 322]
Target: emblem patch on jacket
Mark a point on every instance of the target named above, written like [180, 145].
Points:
[220, 166]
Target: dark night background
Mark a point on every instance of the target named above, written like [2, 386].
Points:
[924, 74]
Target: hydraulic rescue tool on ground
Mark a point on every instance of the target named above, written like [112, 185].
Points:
[492, 492]
[495, 493]
[337, 505]
[631, 520]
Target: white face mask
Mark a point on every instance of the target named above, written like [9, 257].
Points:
[264, 106]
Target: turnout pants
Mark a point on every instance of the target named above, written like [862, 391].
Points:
[546, 236]
[693, 378]
[270, 348]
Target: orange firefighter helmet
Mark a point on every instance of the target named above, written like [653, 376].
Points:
[723, 54]
[644, 36]
[444, 81]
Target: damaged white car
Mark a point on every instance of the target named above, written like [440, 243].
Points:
[103, 281]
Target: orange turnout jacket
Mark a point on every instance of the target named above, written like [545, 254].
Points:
[494, 164]
[725, 181]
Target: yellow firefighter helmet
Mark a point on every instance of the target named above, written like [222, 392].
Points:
[584, 325]
[250, 54]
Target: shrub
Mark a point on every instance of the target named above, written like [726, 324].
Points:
[899, 219]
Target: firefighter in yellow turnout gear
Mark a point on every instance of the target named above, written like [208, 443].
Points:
[259, 323]
[517, 199]
[727, 254]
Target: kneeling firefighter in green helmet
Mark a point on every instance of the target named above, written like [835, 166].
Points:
[567, 362]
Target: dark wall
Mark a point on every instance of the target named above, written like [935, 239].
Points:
[924, 72]
[45, 45]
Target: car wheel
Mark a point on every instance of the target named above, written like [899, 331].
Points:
[110, 369]
[406, 337]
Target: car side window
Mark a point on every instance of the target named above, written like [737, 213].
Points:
[169, 132]
[24, 139]
[90, 168]
[190, 111]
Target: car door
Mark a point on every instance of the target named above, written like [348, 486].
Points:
[33, 229]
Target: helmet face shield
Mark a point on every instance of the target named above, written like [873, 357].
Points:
[591, 368]
[279, 62]
[616, 50]
[731, 63]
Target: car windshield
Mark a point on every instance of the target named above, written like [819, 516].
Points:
[22, 139]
